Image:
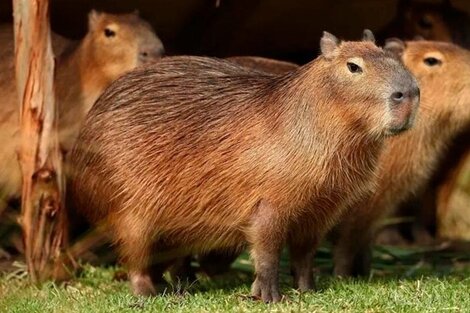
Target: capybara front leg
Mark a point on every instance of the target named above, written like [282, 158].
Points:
[267, 237]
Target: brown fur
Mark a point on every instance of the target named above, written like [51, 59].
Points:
[82, 73]
[217, 262]
[408, 160]
[264, 64]
[196, 154]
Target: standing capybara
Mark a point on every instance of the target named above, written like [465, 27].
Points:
[113, 45]
[407, 162]
[195, 154]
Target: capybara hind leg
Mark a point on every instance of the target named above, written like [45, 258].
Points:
[135, 251]
[141, 283]
[3, 206]
[353, 256]
[217, 262]
[181, 270]
[267, 237]
[301, 258]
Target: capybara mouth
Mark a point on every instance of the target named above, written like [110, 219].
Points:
[397, 130]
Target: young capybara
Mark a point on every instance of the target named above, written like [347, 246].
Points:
[407, 162]
[113, 45]
[195, 154]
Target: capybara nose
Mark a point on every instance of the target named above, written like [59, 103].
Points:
[397, 97]
[148, 56]
[404, 104]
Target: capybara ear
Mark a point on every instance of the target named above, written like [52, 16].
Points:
[368, 35]
[328, 45]
[93, 18]
[395, 46]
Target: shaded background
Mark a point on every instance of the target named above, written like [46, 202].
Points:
[287, 30]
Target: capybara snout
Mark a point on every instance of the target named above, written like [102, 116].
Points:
[403, 104]
[151, 49]
[148, 55]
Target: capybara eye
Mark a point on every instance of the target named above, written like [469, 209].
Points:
[425, 23]
[354, 68]
[432, 61]
[109, 33]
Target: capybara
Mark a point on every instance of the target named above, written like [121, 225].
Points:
[113, 45]
[407, 161]
[195, 154]
[432, 21]
[438, 21]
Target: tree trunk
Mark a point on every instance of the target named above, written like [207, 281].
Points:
[43, 217]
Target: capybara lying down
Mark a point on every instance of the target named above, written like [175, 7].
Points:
[113, 45]
[194, 154]
[407, 161]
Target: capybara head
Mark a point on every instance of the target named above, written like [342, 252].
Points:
[364, 77]
[424, 19]
[122, 41]
[432, 21]
[443, 71]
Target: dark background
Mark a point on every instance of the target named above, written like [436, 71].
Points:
[275, 28]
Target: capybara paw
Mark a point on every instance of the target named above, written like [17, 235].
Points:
[267, 292]
[142, 285]
[304, 284]
[359, 267]
[342, 271]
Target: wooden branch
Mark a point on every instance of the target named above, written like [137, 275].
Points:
[43, 217]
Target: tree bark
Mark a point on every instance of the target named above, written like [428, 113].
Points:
[43, 217]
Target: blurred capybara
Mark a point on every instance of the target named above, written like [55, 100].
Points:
[195, 154]
[407, 162]
[432, 21]
[113, 45]
[438, 21]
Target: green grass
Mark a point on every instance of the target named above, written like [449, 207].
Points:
[402, 281]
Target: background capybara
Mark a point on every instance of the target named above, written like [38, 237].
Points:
[428, 214]
[195, 154]
[438, 21]
[113, 45]
[407, 162]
